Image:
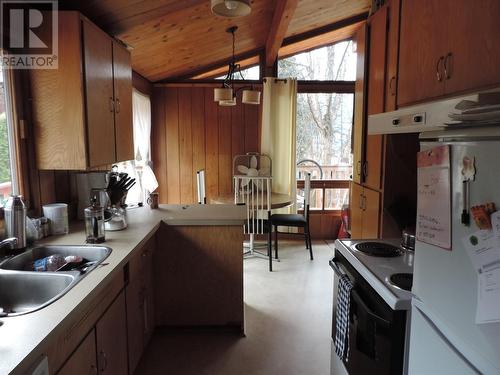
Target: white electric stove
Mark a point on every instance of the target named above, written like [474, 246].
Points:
[380, 304]
[377, 270]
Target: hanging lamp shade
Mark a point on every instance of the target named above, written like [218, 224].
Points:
[223, 93]
[251, 97]
[228, 103]
[231, 8]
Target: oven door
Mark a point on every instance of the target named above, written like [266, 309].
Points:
[376, 332]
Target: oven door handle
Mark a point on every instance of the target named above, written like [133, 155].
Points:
[336, 268]
[379, 320]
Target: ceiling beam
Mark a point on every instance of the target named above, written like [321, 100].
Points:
[283, 13]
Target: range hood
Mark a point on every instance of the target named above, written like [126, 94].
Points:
[419, 118]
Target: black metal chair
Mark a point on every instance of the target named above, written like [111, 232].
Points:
[294, 220]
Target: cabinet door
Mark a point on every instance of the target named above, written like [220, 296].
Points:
[392, 55]
[149, 313]
[473, 45]
[135, 312]
[372, 169]
[98, 63]
[423, 41]
[359, 105]
[377, 61]
[356, 209]
[122, 71]
[371, 214]
[111, 332]
[83, 360]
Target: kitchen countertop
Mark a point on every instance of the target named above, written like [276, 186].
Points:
[23, 336]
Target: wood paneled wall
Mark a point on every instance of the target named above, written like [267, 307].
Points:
[191, 132]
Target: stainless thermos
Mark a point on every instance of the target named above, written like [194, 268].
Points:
[15, 220]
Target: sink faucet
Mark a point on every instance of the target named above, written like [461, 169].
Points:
[8, 242]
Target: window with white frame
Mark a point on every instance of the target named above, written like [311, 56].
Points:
[140, 167]
[8, 177]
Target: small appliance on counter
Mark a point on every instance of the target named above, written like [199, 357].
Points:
[15, 220]
[85, 183]
[380, 272]
[115, 219]
[57, 214]
[94, 223]
[116, 192]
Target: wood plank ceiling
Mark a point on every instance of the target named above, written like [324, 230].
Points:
[172, 38]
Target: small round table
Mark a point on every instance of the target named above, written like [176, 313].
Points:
[278, 200]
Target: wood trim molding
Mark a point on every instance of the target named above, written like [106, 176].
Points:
[282, 17]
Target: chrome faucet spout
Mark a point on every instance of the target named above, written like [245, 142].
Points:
[10, 242]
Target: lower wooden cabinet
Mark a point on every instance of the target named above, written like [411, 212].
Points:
[83, 361]
[140, 296]
[365, 212]
[111, 339]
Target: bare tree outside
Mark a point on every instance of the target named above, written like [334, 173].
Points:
[324, 120]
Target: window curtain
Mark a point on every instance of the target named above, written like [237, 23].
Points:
[140, 168]
[278, 138]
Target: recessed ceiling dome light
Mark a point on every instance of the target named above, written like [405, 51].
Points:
[231, 8]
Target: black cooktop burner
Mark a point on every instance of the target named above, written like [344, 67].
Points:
[378, 249]
[402, 280]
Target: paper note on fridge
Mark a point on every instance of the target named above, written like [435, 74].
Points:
[488, 297]
[483, 249]
[434, 197]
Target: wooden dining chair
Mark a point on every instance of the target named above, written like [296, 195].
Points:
[295, 220]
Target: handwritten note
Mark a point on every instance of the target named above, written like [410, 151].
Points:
[434, 197]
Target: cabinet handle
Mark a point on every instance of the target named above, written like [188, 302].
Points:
[104, 362]
[365, 169]
[358, 168]
[447, 65]
[392, 90]
[361, 201]
[117, 105]
[111, 104]
[439, 75]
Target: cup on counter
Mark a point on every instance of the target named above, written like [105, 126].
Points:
[153, 200]
[57, 214]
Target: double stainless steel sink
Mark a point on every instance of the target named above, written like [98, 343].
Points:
[23, 290]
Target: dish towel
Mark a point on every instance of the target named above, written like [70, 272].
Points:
[342, 317]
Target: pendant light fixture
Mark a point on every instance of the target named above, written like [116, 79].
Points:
[226, 95]
[231, 8]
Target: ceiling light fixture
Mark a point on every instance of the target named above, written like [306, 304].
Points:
[231, 8]
[226, 95]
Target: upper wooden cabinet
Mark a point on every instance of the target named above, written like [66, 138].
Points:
[376, 61]
[82, 111]
[447, 47]
[391, 74]
[359, 105]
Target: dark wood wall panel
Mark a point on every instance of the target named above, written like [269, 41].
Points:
[193, 133]
[158, 140]
[212, 146]
[171, 123]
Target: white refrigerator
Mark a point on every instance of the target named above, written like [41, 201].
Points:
[445, 338]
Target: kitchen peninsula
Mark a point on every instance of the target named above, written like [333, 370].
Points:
[176, 242]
